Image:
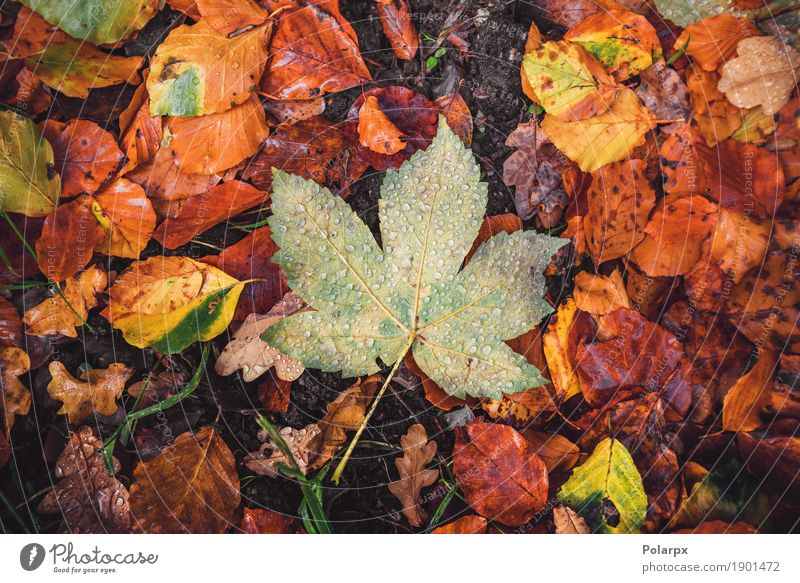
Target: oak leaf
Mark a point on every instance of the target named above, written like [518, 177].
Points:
[170, 302]
[264, 462]
[376, 131]
[763, 73]
[418, 452]
[498, 470]
[249, 353]
[88, 498]
[16, 398]
[371, 303]
[192, 487]
[95, 393]
[63, 313]
[609, 137]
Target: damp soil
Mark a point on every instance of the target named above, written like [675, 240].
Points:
[488, 79]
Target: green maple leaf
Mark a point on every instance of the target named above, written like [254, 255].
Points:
[372, 303]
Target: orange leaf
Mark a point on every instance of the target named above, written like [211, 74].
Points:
[140, 132]
[15, 397]
[263, 521]
[745, 400]
[375, 131]
[564, 331]
[598, 294]
[395, 18]
[96, 392]
[418, 452]
[714, 39]
[470, 524]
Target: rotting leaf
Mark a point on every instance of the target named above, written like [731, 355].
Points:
[379, 304]
[95, 393]
[418, 452]
[605, 485]
[87, 497]
[191, 487]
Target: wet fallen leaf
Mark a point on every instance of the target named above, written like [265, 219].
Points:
[28, 93]
[65, 312]
[470, 524]
[264, 521]
[170, 302]
[224, 16]
[249, 353]
[714, 39]
[567, 521]
[95, 393]
[264, 462]
[499, 472]
[10, 324]
[88, 498]
[31, 184]
[376, 131]
[191, 487]
[558, 453]
[16, 398]
[395, 17]
[716, 118]
[606, 490]
[418, 452]
[619, 130]
[663, 92]
[163, 179]
[772, 461]
[139, 131]
[745, 400]
[598, 294]
[763, 73]
[560, 342]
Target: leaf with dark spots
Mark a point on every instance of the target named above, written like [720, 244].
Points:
[395, 17]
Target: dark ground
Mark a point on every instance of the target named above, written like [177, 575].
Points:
[490, 84]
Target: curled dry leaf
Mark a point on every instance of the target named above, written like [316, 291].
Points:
[187, 218]
[191, 487]
[86, 155]
[750, 396]
[170, 302]
[598, 294]
[470, 524]
[395, 17]
[66, 64]
[763, 73]
[88, 498]
[209, 144]
[95, 393]
[418, 452]
[714, 39]
[15, 397]
[498, 470]
[312, 52]
[535, 171]
[620, 129]
[376, 131]
[197, 71]
[344, 414]
[264, 462]
[567, 521]
[264, 521]
[249, 353]
[64, 312]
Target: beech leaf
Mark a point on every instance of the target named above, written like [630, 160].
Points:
[371, 303]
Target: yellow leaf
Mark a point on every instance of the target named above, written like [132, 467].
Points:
[557, 353]
[96, 392]
[15, 398]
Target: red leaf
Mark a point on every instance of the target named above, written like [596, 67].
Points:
[263, 521]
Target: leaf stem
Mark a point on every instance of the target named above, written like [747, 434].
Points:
[337, 474]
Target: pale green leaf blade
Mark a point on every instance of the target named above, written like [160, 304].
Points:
[430, 213]
[332, 343]
[686, 12]
[29, 183]
[609, 476]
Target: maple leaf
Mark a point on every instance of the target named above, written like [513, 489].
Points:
[607, 486]
[97, 390]
[372, 303]
[417, 453]
[87, 497]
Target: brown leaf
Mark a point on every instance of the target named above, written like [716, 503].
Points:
[191, 487]
[312, 53]
[10, 324]
[598, 294]
[191, 216]
[63, 314]
[567, 521]
[470, 524]
[344, 414]
[418, 452]
[247, 352]
[498, 470]
[263, 521]
[163, 179]
[773, 461]
[663, 92]
[535, 171]
[264, 462]
[85, 154]
[16, 398]
[750, 395]
[630, 356]
[714, 39]
[718, 527]
[376, 131]
[29, 93]
[72, 221]
[395, 18]
[456, 111]
[619, 202]
[558, 453]
[250, 259]
[275, 394]
[88, 499]
[96, 392]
